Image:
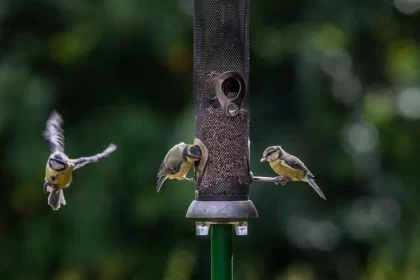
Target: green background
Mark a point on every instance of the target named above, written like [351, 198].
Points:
[334, 82]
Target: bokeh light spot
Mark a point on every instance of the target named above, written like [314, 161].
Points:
[407, 7]
[403, 60]
[347, 89]
[379, 107]
[408, 103]
[360, 137]
[329, 39]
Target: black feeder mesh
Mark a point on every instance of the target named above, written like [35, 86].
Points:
[220, 45]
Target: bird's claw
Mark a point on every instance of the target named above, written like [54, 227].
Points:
[45, 188]
[191, 180]
[282, 180]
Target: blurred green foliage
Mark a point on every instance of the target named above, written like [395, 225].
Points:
[334, 82]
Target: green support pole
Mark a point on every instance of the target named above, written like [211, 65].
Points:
[221, 252]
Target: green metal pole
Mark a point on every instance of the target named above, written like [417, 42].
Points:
[221, 252]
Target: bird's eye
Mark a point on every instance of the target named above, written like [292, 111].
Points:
[56, 165]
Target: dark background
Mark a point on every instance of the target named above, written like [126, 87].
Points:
[334, 82]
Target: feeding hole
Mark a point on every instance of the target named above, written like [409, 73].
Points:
[231, 87]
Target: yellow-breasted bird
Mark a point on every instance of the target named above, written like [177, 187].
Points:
[289, 167]
[59, 169]
[177, 163]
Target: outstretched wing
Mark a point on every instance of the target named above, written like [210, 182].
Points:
[296, 163]
[53, 133]
[92, 159]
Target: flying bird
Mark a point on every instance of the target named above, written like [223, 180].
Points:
[59, 169]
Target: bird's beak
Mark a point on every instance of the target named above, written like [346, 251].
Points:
[263, 159]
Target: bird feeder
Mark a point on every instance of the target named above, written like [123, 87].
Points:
[221, 100]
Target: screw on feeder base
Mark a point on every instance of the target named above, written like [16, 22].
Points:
[241, 228]
[203, 227]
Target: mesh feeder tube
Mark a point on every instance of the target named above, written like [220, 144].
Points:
[222, 177]
[221, 103]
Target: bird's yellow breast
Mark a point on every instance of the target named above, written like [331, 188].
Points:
[182, 172]
[59, 179]
[284, 170]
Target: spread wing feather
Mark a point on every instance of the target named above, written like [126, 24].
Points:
[93, 159]
[53, 133]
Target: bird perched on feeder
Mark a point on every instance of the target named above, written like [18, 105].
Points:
[289, 167]
[60, 167]
[177, 163]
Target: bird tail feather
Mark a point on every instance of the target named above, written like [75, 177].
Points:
[311, 182]
[56, 199]
[160, 183]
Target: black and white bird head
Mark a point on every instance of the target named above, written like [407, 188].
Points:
[58, 161]
[193, 153]
[272, 153]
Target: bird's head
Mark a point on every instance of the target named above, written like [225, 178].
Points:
[193, 153]
[58, 161]
[272, 153]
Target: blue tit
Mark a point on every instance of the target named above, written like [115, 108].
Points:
[177, 163]
[289, 167]
[59, 169]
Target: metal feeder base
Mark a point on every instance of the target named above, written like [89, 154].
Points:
[222, 210]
